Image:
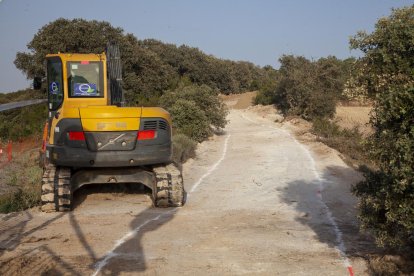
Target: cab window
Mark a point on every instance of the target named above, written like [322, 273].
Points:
[85, 79]
[55, 82]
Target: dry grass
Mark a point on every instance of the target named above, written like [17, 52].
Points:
[183, 148]
[349, 142]
[391, 264]
[20, 179]
[350, 117]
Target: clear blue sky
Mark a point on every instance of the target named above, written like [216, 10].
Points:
[259, 31]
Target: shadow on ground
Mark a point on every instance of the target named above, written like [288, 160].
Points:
[34, 260]
[35, 257]
[129, 256]
[336, 199]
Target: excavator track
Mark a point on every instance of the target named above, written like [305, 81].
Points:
[56, 189]
[168, 189]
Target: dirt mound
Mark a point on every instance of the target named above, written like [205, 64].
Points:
[268, 112]
[239, 101]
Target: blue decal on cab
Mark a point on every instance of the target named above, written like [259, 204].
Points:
[54, 88]
[85, 89]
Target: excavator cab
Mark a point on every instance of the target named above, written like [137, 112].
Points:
[77, 78]
[93, 139]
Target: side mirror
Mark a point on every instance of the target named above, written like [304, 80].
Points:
[37, 83]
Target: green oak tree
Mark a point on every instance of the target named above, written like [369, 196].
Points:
[387, 195]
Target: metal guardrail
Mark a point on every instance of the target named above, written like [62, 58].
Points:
[9, 106]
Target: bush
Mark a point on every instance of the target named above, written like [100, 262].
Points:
[24, 122]
[195, 110]
[23, 179]
[20, 200]
[22, 95]
[350, 142]
[190, 120]
[149, 66]
[305, 88]
[183, 148]
[308, 89]
[387, 195]
[266, 95]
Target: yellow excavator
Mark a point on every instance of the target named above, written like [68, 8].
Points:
[91, 138]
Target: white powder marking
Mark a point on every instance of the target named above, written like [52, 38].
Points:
[340, 247]
[110, 254]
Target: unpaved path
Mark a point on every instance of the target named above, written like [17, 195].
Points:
[260, 203]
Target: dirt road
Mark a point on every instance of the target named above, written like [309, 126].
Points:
[259, 203]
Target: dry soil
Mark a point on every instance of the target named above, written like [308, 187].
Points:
[263, 199]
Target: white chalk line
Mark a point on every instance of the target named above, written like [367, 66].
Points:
[213, 168]
[338, 233]
[110, 254]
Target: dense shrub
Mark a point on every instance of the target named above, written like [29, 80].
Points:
[309, 89]
[149, 66]
[350, 142]
[20, 200]
[183, 148]
[266, 94]
[190, 120]
[23, 182]
[224, 75]
[24, 122]
[195, 110]
[22, 95]
[387, 195]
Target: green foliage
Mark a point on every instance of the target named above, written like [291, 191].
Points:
[305, 88]
[24, 179]
[149, 66]
[389, 52]
[19, 200]
[190, 120]
[224, 75]
[183, 148]
[326, 128]
[22, 95]
[350, 142]
[308, 89]
[266, 89]
[145, 75]
[24, 122]
[266, 94]
[387, 195]
[195, 109]
[62, 35]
